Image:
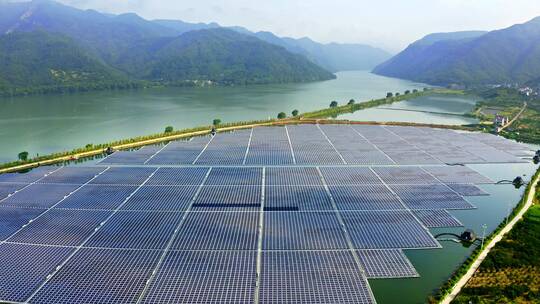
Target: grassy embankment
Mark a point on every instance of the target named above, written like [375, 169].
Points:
[93, 150]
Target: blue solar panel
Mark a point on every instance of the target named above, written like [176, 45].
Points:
[178, 176]
[467, 190]
[100, 276]
[13, 219]
[288, 176]
[382, 264]
[97, 197]
[204, 277]
[161, 198]
[387, 229]
[349, 176]
[27, 177]
[228, 198]
[413, 157]
[226, 149]
[312, 277]
[296, 198]
[72, 175]
[235, 176]
[61, 227]
[405, 175]
[123, 176]
[310, 146]
[430, 197]
[458, 175]
[372, 197]
[269, 146]
[218, 231]
[437, 218]
[23, 268]
[180, 152]
[39, 196]
[137, 157]
[8, 189]
[134, 229]
[303, 231]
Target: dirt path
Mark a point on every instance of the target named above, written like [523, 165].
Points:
[515, 117]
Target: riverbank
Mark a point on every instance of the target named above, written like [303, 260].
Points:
[309, 117]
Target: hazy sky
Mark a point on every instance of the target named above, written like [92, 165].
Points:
[389, 24]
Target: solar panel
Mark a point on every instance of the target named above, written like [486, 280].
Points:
[235, 176]
[349, 176]
[204, 277]
[437, 218]
[178, 176]
[269, 146]
[312, 277]
[72, 175]
[136, 157]
[458, 175]
[13, 219]
[302, 231]
[467, 190]
[24, 267]
[161, 198]
[123, 176]
[180, 152]
[387, 230]
[100, 276]
[310, 146]
[430, 197]
[226, 149]
[134, 229]
[39, 196]
[27, 177]
[218, 231]
[405, 175]
[8, 189]
[383, 264]
[365, 197]
[296, 198]
[228, 198]
[288, 176]
[413, 157]
[61, 227]
[97, 197]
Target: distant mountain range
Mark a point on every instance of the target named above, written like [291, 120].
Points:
[49, 47]
[506, 56]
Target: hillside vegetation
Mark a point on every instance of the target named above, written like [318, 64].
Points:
[510, 55]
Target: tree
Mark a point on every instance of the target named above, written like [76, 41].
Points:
[426, 89]
[333, 104]
[281, 115]
[169, 129]
[23, 156]
[415, 91]
[295, 113]
[407, 92]
[89, 146]
[216, 122]
[351, 102]
[397, 94]
[389, 95]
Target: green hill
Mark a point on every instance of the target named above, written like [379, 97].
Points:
[511, 55]
[39, 62]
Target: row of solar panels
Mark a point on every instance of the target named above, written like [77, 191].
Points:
[288, 176]
[93, 275]
[329, 145]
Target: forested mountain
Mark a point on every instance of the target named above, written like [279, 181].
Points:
[110, 49]
[510, 55]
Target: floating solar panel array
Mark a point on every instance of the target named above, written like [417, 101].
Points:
[329, 145]
[243, 217]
